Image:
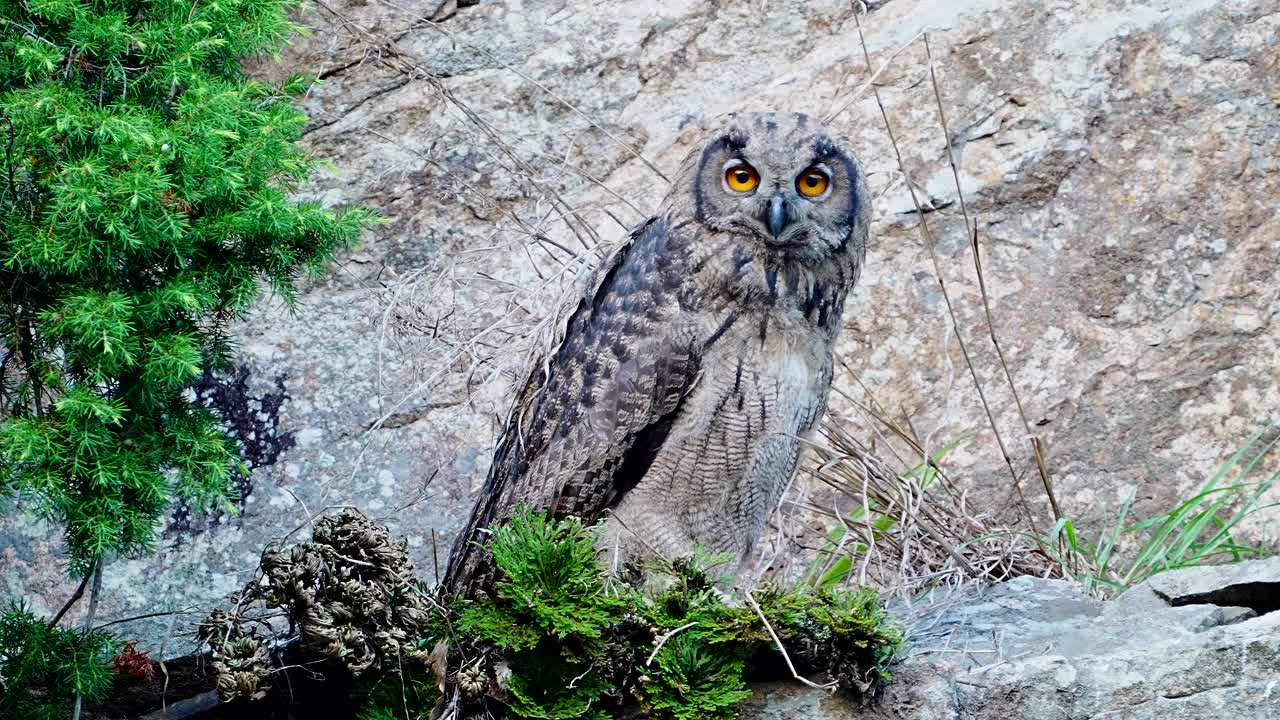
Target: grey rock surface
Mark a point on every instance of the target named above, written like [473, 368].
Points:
[1253, 585]
[1036, 649]
[1119, 156]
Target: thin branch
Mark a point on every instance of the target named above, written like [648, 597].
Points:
[88, 621]
[828, 687]
[164, 690]
[1037, 448]
[971, 228]
[594, 181]
[942, 284]
[75, 597]
[435, 557]
[663, 641]
[581, 675]
[189, 611]
[8, 152]
[874, 76]
[27, 349]
[406, 64]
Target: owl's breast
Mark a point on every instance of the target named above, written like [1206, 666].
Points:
[780, 365]
[761, 388]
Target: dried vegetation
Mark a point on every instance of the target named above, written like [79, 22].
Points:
[559, 638]
[348, 596]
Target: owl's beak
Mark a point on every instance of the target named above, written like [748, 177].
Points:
[777, 217]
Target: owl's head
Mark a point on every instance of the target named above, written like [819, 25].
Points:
[784, 181]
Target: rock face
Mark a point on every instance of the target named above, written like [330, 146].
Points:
[1254, 585]
[1119, 158]
[1036, 649]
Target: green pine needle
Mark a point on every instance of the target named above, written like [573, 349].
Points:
[144, 198]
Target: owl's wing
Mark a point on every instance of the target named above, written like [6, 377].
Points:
[596, 408]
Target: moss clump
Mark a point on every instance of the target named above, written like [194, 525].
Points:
[693, 679]
[550, 586]
[845, 635]
[403, 691]
[553, 618]
[558, 640]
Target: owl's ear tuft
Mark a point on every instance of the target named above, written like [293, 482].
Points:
[824, 148]
[736, 138]
[733, 136]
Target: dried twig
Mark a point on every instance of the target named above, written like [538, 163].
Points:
[663, 641]
[828, 687]
[88, 621]
[190, 610]
[455, 38]
[930, 245]
[971, 228]
[874, 76]
[911, 535]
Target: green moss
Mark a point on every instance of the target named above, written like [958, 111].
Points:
[694, 679]
[552, 614]
[550, 586]
[573, 645]
[552, 680]
[404, 692]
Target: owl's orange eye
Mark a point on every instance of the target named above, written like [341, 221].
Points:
[741, 178]
[812, 182]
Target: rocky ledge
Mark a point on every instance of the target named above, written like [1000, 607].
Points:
[1194, 644]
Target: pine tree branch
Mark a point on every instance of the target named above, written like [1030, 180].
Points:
[26, 348]
[8, 153]
[88, 621]
[75, 597]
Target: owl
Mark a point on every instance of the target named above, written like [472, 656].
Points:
[676, 398]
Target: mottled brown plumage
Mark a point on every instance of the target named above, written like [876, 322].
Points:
[682, 381]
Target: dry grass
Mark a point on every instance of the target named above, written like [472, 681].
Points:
[461, 330]
[899, 522]
[908, 529]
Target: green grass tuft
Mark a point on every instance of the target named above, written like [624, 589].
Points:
[1198, 530]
